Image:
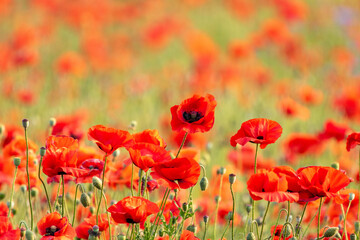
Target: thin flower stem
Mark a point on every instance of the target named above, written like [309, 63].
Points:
[63, 195]
[319, 215]
[186, 212]
[101, 191]
[145, 184]
[28, 178]
[182, 144]
[217, 205]
[162, 206]
[12, 192]
[299, 224]
[140, 181]
[57, 194]
[76, 189]
[288, 213]
[227, 226]
[255, 164]
[107, 215]
[263, 223]
[307, 228]
[253, 202]
[358, 215]
[205, 231]
[233, 211]
[132, 179]
[277, 221]
[46, 193]
[344, 231]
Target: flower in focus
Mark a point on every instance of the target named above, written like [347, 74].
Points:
[53, 227]
[132, 210]
[178, 173]
[109, 139]
[195, 114]
[259, 130]
[82, 230]
[352, 140]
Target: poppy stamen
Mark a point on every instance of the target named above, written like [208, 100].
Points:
[192, 116]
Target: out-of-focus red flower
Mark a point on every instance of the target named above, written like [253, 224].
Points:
[71, 63]
[291, 108]
[93, 167]
[6, 230]
[188, 235]
[11, 132]
[333, 130]
[277, 231]
[132, 210]
[69, 125]
[271, 187]
[322, 181]
[82, 230]
[109, 139]
[259, 130]
[53, 226]
[195, 114]
[309, 95]
[177, 173]
[352, 141]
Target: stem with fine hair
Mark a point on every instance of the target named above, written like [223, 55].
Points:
[226, 228]
[288, 213]
[277, 221]
[233, 211]
[132, 179]
[158, 216]
[62, 196]
[205, 231]
[346, 213]
[263, 223]
[186, 212]
[12, 192]
[182, 144]
[319, 215]
[28, 180]
[76, 189]
[299, 224]
[46, 193]
[101, 191]
[217, 205]
[107, 215]
[140, 181]
[253, 202]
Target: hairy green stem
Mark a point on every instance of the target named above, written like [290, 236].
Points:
[28, 180]
[62, 196]
[42, 182]
[12, 191]
[233, 211]
[319, 215]
[263, 223]
[76, 189]
[101, 191]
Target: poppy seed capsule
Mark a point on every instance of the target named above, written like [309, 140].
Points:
[85, 200]
[95, 228]
[232, 178]
[96, 182]
[204, 183]
[351, 196]
[34, 192]
[184, 206]
[206, 219]
[25, 123]
[29, 235]
[17, 161]
[23, 188]
[42, 151]
[353, 236]
[52, 122]
[330, 232]
[335, 165]
[191, 228]
[250, 236]
[248, 208]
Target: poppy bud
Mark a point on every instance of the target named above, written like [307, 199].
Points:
[42, 151]
[17, 161]
[92, 210]
[206, 219]
[222, 170]
[357, 226]
[335, 165]
[229, 216]
[23, 188]
[95, 228]
[232, 178]
[184, 206]
[96, 182]
[2, 129]
[250, 236]
[25, 123]
[248, 208]
[161, 232]
[191, 228]
[121, 237]
[22, 232]
[116, 153]
[172, 220]
[34, 192]
[8, 204]
[29, 235]
[351, 196]
[85, 200]
[298, 218]
[133, 125]
[52, 122]
[353, 236]
[330, 232]
[287, 231]
[204, 183]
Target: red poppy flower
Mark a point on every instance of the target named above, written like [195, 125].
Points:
[277, 231]
[132, 210]
[352, 140]
[6, 230]
[82, 230]
[271, 187]
[188, 235]
[93, 167]
[177, 173]
[149, 136]
[322, 181]
[333, 130]
[109, 139]
[61, 156]
[195, 114]
[53, 227]
[259, 130]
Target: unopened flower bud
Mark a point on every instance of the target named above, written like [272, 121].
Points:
[121, 237]
[232, 178]
[2, 129]
[97, 182]
[229, 216]
[217, 199]
[330, 232]
[191, 228]
[335, 165]
[23, 188]
[206, 219]
[184, 206]
[357, 226]
[2, 196]
[353, 236]
[85, 200]
[351, 196]
[42, 151]
[17, 161]
[133, 125]
[250, 236]
[34, 192]
[222, 170]
[22, 232]
[92, 210]
[116, 153]
[29, 235]
[204, 183]
[287, 231]
[248, 208]
[25, 123]
[52, 122]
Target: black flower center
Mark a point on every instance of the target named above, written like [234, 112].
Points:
[260, 137]
[192, 116]
[129, 220]
[50, 231]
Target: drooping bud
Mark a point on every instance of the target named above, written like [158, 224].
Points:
[97, 182]
[52, 122]
[191, 228]
[29, 235]
[42, 151]
[287, 231]
[17, 161]
[204, 183]
[330, 232]
[250, 236]
[232, 178]
[85, 200]
[335, 165]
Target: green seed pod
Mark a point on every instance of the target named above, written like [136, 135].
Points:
[250, 236]
[97, 182]
[204, 183]
[330, 232]
[232, 178]
[42, 151]
[52, 122]
[34, 192]
[25, 123]
[23, 188]
[29, 235]
[353, 236]
[191, 228]
[206, 219]
[85, 200]
[184, 206]
[335, 165]
[17, 161]
[92, 210]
